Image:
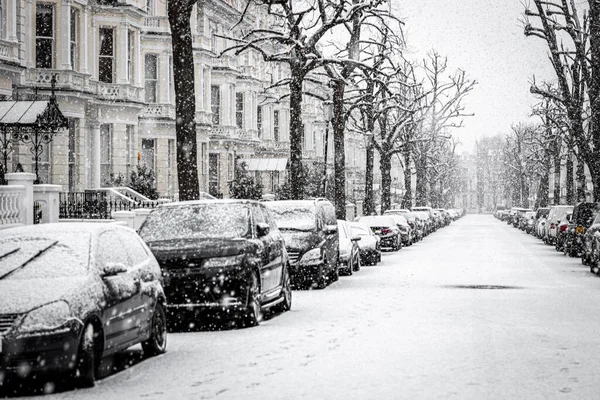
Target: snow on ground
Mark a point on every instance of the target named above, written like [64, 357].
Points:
[400, 330]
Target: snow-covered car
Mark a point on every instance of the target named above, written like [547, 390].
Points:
[223, 256]
[386, 228]
[405, 230]
[349, 258]
[310, 231]
[72, 293]
[368, 245]
[556, 215]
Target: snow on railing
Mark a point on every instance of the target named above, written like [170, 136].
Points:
[12, 207]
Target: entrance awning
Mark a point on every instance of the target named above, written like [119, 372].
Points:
[265, 164]
[31, 114]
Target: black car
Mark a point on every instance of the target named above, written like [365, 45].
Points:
[386, 228]
[72, 293]
[582, 218]
[223, 256]
[311, 235]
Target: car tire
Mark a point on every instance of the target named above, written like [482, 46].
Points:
[286, 294]
[334, 274]
[321, 279]
[157, 342]
[86, 364]
[252, 314]
[379, 257]
[356, 264]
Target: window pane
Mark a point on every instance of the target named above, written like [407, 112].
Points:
[43, 53]
[43, 20]
[105, 144]
[106, 42]
[150, 91]
[151, 68]
[105, 69]
[215, 101]
[148, 153]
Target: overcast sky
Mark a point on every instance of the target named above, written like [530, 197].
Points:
[485, 38]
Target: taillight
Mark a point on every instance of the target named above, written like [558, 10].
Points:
[385, 231]
[563, 228]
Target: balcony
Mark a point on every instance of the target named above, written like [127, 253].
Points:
[309, 154]
[113, 91]
[285, 146]
[9, 51]
[156, 24]
[159, 111]
[65, 79]
[247, 134]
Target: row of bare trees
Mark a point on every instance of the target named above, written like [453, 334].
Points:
[352, 51]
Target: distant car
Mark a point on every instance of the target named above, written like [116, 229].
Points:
[405, 229]
[583, 216]
[349, 258]
[219, 256]
[386, 228]
[527, 221]
[540, 221]
[72, 293]
[370, 251]
[556, 215]
[562, 232]
[310, 231]
[591, 245]
[430, 222]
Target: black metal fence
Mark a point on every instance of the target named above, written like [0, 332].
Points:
[95, 205]
[38, 209]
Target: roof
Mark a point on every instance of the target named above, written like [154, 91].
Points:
[30, 113]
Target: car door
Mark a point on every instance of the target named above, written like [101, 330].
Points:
[121, 292]
[270, 270]
[332, 239]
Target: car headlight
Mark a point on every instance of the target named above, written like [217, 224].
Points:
[311, 257]
[48, 317]
[221, 262]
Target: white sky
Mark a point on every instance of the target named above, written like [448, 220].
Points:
[485, 38]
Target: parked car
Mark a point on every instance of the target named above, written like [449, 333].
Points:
[415, 222]
[583, 216]
[72, 293]
[430, 223]
[349, 258]
[527, 221]
[386, 228]
[591, 245]
[541, 215]
[368, 245]
[405, 230]
[561, 231]
[219, 256]
[310, 231]
[555, 217]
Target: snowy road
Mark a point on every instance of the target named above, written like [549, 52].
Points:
[400, 330]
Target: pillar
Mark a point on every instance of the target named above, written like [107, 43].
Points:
[95, 155]
[64, 40]
[24, 179]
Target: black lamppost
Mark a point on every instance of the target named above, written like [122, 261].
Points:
[328, 116]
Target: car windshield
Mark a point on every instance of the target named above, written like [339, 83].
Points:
[294, 218]
[197, 221]
[31, 256]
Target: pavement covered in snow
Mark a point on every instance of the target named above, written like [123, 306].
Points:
[410, 327]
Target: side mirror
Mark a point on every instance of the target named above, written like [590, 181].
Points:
[355, 238]
[331, 229]
[112, 269]
[262, 229]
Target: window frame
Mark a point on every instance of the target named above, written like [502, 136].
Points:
[239, 109]
[276, 125]
[106, 153]
[111, 57]
[215, 104]
[74, 32]
[153, 81]
[38, 38]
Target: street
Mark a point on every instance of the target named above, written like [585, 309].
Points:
[476, 310]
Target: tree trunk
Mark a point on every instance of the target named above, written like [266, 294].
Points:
[421, 187]
[179, 12]
[557, 173]
[524, 192]
[296, 127]
[339, 151]
[542, 200]
[385, 166]
[580, 174]
[407, 201]
[570, 188]
[369, 206]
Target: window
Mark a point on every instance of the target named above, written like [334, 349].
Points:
[74, 36]
[106, 61]
[130, 52]
[259, 120]
[128, 150]
[148, 151]
[105, 154]
[44, 163]
[44, 35]
[276, 125]
[215, 104]
[170, 164]
[150, 7]
[213, 174]
[239, 110]
[2, 19]
[230, 167]
[111, 249]
[151, 78]
[72, 151]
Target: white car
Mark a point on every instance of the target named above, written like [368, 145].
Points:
[368, 245]
[349, 258]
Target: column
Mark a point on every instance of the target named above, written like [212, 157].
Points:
[11, 21]
[121, 54]
[64, 40]
[84, 36]
[30, 37]
[95, 155]
[119, 150]
[137, 60]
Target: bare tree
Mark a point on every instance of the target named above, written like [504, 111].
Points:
[572, 35]
[179, 12]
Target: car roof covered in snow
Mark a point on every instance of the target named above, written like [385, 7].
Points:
[205, 202]
[55, 229]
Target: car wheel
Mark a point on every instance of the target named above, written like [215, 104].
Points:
[86, 365]
[286, 294]
[350, 269]
[379, 257]
[252, 314]
[334, 275]
[321, 279]
[157, 342]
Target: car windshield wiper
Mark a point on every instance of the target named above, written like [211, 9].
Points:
[289, 228]
[36, 255]
[13, 251]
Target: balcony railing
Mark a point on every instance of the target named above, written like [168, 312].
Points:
[65, 79]
[158, 111]
[114, 91]
[156, 24]
[9, 50]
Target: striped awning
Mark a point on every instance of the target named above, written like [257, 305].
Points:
[265, 164]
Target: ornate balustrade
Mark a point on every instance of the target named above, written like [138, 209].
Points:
[114, 91]
[9, 50]
[65, 79]
[12, 207]
[158, 111]
[156, 24]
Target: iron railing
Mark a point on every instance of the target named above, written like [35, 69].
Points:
[95, 205]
